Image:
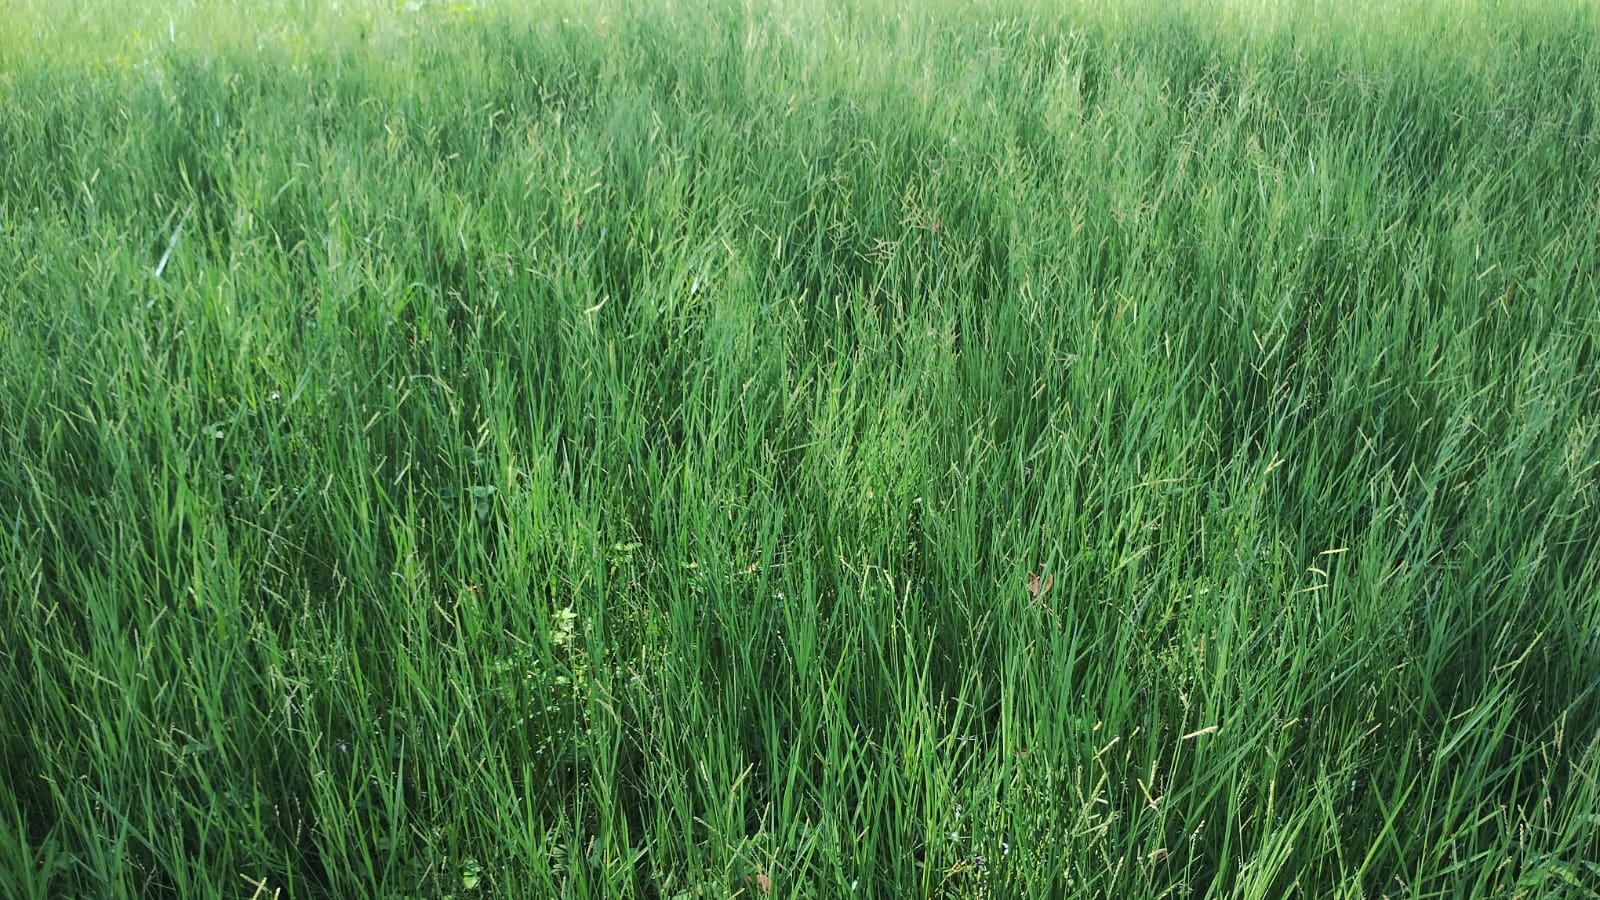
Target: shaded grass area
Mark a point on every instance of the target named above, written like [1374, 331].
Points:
[690, 449]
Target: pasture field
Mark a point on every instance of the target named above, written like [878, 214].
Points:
[799, 448]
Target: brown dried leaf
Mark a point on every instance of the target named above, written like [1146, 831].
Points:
[1036, 588]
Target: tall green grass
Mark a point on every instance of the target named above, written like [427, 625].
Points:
[699, 449]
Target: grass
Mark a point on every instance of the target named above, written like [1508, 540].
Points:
[703, 449]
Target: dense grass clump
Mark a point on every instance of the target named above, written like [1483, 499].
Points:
[701, 448]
